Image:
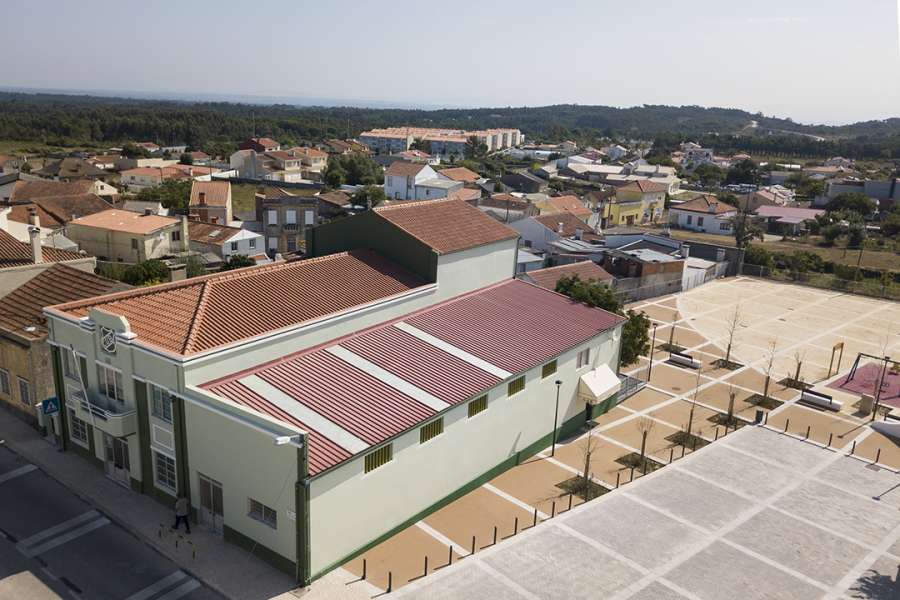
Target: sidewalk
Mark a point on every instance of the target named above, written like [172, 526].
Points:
[224, 567]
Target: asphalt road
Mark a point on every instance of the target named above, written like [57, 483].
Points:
[54, 545]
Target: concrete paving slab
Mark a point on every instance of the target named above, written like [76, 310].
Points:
[776, 448]
[662, 314]
[656, 591]
[810, 550]
[611, 416]
[549, 564]
[463, 585]
[645, 399]
[857, 517]
[630, 435]
[603, 460]
[476, 514]
[692, 499]
[746, 577]
[534, 483]
[874, 482]
[881, 581]
[889, 450]
[824, 426]
[745, 474]
[634, 531]
[675, 380]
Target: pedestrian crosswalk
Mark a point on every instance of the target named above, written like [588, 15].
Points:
[16, 473]
[170, 587]
[60, 534]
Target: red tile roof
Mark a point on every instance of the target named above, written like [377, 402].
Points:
[28, 190]
[571, 204]
[645, 186]
[23, 307]
[126, 221]
[14, 253]
[707, 204]
[465, 194]
[514, 325]
[56, 211]
[335, 198]
[204, 313]
[585, 270]
[460, 174]
[570, 224]
[217, 193]
[400, 168]
[446, 225]
[210, 233]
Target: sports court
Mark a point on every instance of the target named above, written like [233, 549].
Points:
[804, 324]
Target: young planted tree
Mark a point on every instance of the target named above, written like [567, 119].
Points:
[590, 445]
[645, 426]
[729, 417]
[690, 424]
[799, 356]
[770, 365]
[734, 322]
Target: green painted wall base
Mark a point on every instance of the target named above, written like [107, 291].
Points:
[567, 428]
[270, 556]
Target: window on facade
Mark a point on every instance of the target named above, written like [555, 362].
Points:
[160, 403]
[164, 471]
[583, 358]
[549, 369]
[431, 430]
[290, 217]
[515, 386]
[690, 219]
[379, 457]
[4, 382]
[234, 246]
[252, 242]
[272, 217]
[725, 226]
[291, 244]
[273, 243]
[176, 236]
[110, 383]
[699, 221]
[390, 180]
[70, 368]
[134, 244]
[261, 512]
[78, 428]
[24, 391]
[477, 405]
[309, 217]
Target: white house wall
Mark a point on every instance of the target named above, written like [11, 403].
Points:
[476, 268]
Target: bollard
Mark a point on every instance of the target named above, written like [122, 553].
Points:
[830, 436]
[363, 578]
[390, 586]
[682, 451]
[570, 501]
[631, 476]
[671, 453]
[878, 455]
[553, 509]
[516, 526]
[808, 429]
[717, 432]
[495, 535]
[694, 444]
[426, 566]
[450, 560]
[766, 419]
[787, 423]
[853, 449]
[473, 546]
[193, 550]
[534, 523]
[618, 474]
[176, 543]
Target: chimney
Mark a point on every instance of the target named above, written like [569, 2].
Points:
[33, 219]
[712, 207]
[202, 198]
[578, 233]
[37, 251]
[559, 227]
[685, 251]
[185, 242]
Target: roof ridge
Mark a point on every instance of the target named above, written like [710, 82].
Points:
[413, 203]
[199, 312]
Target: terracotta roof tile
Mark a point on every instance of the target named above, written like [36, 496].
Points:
[216, 193]
[335, 198]
[645, 186]
[14, 253]
[460, 174]
[707, 204]
[400, 168]
[126, 221]
[585, 270]
[570, 223]
[210, 233]
[446, 225]
[215, 310]
[571, 204]
[23, 307]
[28, 190]
[56, 211]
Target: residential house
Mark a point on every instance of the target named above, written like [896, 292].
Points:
[585, 270]
[335, 146]
[446, 143]
[643, 273]
[20, 261]
[466, 176]
[886, 191]
[694, 155]
[507, 208]
[10, 164]
[523, 181]
[416, 181]
[141, 178]
[568, 203]
[615, 151]
[217, 243]
[198, 157]
[417, 156]
[211, 202]
[787, 220]
[635, 203]
[122, 236]
[705, 213]
[284, 219]
[332, 204]
[540, 232]
[20, 189]
[27, 375]
[149, 147]
[142, 206]
[260, 145]
[70, 168]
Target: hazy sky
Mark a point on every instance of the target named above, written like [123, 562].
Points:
[813, 60]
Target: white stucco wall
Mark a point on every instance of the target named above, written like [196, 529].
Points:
[476, 268]
[711, 223]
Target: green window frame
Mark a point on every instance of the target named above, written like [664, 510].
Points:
[379, 458]
[515, 386]
[477, 405]
[548, 369]
[431, 430]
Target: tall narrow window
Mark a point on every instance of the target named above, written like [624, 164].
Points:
[110, 383]
[548, 369]
[431, 430]
[379, 457]
[164, 471]
[160, 403]
[584, 357]
[515, 386]
[477, 405]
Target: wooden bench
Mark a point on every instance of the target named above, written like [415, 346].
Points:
[684, 360]
[821, 400]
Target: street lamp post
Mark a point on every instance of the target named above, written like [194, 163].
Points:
[555, 418]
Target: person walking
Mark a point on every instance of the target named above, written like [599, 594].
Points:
[182, 510]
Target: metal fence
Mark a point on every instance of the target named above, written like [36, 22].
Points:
[876, 288]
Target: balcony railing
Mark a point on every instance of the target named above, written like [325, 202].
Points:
[111, 417]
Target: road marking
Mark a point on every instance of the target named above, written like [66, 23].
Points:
[514, 500]
[64, 538]
[442, 538]
[182, 590]
[16, 473]
[51, 531]
[157, 587]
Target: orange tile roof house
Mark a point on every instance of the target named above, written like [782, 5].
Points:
[310, 393]
[569, 203]
[585, 270]
[124, 236]
[416, 181]
[262, 144]
[460, 174]
[211, 202]
[705, 213]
